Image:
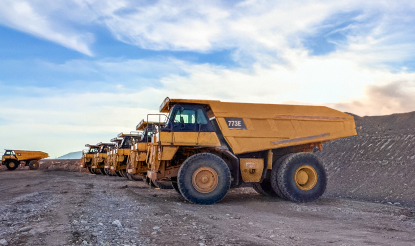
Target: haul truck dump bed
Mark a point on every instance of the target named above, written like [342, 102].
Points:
[13, 158]
[209, 146]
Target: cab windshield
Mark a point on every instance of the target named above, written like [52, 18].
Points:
[126, 143]
[93, 150]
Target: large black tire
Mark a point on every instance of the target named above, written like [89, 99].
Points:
[176, 187]
[276, 165]
[286, 176]
[123, 173]
[163, 185]
[264, 188]
[134, 177]
[12, 164]
[102, 170]
[34, 165]
[96, 170]
[207, 169]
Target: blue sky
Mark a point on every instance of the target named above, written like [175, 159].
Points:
[81, 71]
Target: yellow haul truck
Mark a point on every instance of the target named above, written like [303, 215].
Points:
[98, 163]
[137, 163]
[210, 146]
[88, 156]
[111, 158]
[13, 158]
[121, 154]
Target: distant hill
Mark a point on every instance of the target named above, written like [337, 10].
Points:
[72, 155]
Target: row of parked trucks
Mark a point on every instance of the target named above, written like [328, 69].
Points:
[202, 148]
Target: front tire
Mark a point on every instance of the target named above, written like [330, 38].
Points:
[12, 164]
[134, 177]
[301, 177]
[102, 170]
[34, 165]
[96, 171]
[204, 179]
[176, 187]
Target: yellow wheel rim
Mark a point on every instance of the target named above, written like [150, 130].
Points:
[11, 164]
[205, 179]
[305, 177]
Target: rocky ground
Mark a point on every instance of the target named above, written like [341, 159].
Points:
[46, 207]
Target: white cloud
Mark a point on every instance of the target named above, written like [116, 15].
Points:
[36, 18]
[263, 31]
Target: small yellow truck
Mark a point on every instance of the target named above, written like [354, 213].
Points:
[88, 156]
[13, 158]
[207, 147]
[98, 163]
[119, 156]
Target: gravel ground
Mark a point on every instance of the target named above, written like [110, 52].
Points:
[46, 207]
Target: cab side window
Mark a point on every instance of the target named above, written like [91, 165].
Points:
[201, 118]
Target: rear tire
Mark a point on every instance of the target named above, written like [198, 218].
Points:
[34, 165]
[163, 185]
[12, 164]
[204, 179]
[274, 181]
[264, 188]
[301, 177]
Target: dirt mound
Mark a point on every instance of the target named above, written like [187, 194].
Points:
[376, 165]
[62, 165]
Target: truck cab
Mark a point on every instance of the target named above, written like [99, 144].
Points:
[88, 156]
[122, 153]
[98, 163]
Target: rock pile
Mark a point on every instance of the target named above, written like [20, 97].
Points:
[376, 165]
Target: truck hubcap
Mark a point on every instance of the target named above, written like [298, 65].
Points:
[11, 164]
[305, 177]
[205, 179]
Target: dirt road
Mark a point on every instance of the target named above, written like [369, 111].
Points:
[67, 208]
